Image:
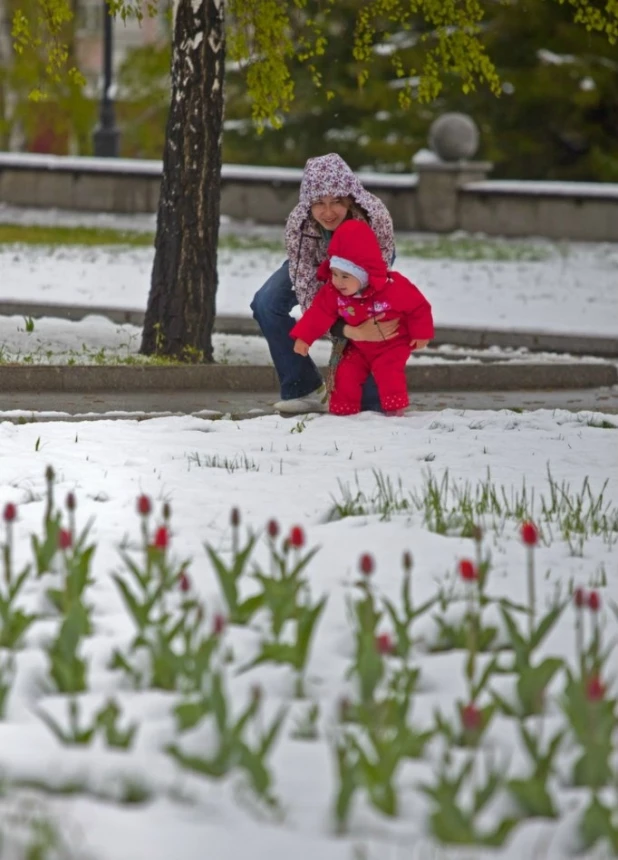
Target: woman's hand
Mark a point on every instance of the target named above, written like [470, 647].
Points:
[301, 347]
[418, 344]
[372, 330]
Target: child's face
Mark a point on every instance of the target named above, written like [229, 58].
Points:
[330, 212]
[347, 284]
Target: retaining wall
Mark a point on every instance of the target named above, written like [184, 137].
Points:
[439, 197]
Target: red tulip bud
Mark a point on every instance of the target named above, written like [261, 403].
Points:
[366, 564]
[471, 718]
[529, 533]
[162, 538]
[10, 512]
[595, 689]
[65, 539]
[384, 644]
[143, 506]
[297, 537]
[594, 601]
[467, 570]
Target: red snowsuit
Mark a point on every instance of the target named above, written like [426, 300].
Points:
[387, 293]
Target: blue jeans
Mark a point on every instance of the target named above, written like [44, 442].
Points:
[298, 375]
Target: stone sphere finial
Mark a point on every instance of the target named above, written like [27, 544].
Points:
[454, 136]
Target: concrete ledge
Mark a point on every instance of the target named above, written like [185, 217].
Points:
[474, 338]
[509, 376]
[440, 196]
[534, 341]
[74, 313]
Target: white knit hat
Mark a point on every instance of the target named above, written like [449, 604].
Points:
[351, 268]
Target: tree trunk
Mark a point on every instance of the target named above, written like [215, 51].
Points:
[181, 305]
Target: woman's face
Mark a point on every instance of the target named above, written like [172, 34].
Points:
[330, 212]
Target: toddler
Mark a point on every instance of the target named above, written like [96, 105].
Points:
[360, 287]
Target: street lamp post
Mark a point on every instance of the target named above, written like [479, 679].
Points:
[106, 134]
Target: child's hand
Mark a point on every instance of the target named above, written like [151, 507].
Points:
[301, 347]
[418, 344]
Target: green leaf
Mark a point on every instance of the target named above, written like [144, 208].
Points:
[207, 767]
[13, 628]
[423, 608]
[348, 785]
[532, 797]
[593, 767]
[247, 609]
[596, 824]
[56, 598]
[499, 835]
[138, 611]
[227, 580]
[77, 736]
[483, 794]
[546, 625]
[307, 621]
[450, 825]
[189, 714]
[530, 741]
[532, 683]
[486, 674]
[141, 576]
[271, 735]
[504, 706]
[384, 798]
[400, 627]
[219, 702]
[519, 643]
[16, 586]
[256, 769]
[414, 743]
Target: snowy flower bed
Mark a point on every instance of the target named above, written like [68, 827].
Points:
[327, 637]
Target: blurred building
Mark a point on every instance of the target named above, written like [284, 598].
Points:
[127, 34]
[51, 127]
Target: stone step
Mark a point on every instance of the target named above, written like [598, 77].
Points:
[421, 376]
[23, 407]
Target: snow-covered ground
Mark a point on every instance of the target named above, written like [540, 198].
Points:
[572, 290]
[293, 471]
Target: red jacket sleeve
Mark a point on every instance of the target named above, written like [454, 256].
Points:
[319, 317]
[420, 322]
[415, 308]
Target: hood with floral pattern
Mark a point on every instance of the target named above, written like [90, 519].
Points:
[307, 243]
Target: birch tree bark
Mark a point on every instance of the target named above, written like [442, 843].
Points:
[181, 305]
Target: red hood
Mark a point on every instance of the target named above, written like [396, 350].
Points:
[356, 241]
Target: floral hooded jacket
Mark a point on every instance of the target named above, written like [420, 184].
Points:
[307, 243]
[388, 293]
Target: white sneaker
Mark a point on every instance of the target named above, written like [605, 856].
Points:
[314, 402]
